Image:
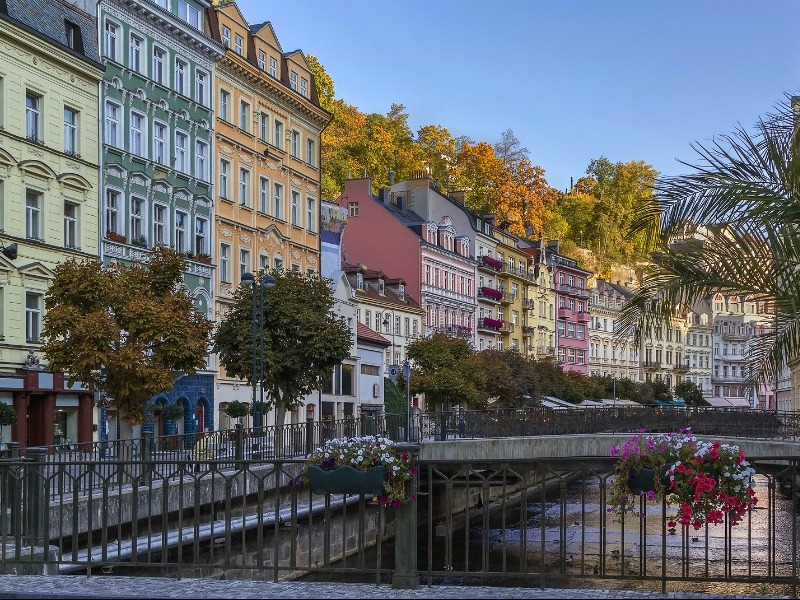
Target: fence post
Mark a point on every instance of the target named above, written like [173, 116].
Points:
[239, 442]
[309, 436]
[405, 575]
[146, 456]
[11, 486]
[442, 426]
[36, 497]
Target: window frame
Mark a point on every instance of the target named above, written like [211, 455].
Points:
[71, 226]
[33, 214]
[71, 131]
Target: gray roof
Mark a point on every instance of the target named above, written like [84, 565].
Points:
[605, 287]
[47, 17]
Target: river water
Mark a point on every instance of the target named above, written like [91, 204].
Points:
[572, 545]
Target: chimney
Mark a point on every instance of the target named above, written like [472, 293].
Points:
[552, 246]
[458, 196]
[391, 178]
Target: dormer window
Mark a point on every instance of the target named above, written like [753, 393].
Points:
[360, 281]
[380, 286]
[401, 291]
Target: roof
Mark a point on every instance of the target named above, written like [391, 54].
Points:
[722, 402]
[46, 18]
[605, 287]
[365, 333]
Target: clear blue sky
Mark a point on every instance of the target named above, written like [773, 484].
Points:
[574, 80]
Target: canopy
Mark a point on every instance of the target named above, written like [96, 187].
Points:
[722, 402]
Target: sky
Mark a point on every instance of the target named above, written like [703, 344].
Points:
[573, 79]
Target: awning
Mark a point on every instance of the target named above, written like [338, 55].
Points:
[721, 402]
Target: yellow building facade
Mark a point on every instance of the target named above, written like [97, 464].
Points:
[267, 162]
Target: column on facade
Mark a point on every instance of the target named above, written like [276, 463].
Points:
[85, 418]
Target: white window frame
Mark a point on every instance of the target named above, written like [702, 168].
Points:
[295, 208]
[181, 164]
[295, 143]
[273, 67]
[190, 14]
[33, 116]
[33, 214]
[111, 210]
[159, 223]
[136, 45]
[304, 87]
[263, 194]
[226, 37]
[244, 187]
[238, 44]
[224, 263]
[277, 130]
[70, 225]
[181, 76]
[111, 39]
[278, 199]
[244, 261]
[201, 80]
[181, 219]
[71, 130]
[137, 222]
[160, 142]
[137, 140]
[33, 316]
[244, 116]
[201, 160]
[293, 80]
[311, 213]
[225, 105]
[160, 59]
[200, 235]
[263, 130]
[311, 152]
[224, 179]
[262, 60]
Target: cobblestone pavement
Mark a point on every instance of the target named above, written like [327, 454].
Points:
[29, 586]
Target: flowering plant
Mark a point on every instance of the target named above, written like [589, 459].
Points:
[704, 480]
[363, 453]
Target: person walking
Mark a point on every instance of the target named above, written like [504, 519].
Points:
[202, 450]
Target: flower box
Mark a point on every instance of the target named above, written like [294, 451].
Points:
[347, 480]
[115, 237]
[492, 293]
[491, 262]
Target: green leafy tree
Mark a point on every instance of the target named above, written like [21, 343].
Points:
[8, 417]
[124, 330]
[730, 225]
[238, 410]
[445, 370]
[303, 340]
[691, 394]
[511, 379]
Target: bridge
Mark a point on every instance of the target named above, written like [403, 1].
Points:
[517, 496]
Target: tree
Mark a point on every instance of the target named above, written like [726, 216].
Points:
[237, 410]
[511, 379]
[729, 226]
[303, 340]
[445, 370]
[691, 394]
[8, 417]
[124, 330]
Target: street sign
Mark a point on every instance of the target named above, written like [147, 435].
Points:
[393, 370]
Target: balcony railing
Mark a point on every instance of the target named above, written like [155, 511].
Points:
[490, 294]
[546, 350]
[572, 290]
[507, 298]
[565, 313]
[508, 327]
[491, 264]
[652, 364]
[490, 324]
[528, 303]
[736, 336]
[528, 329]
[583, 317]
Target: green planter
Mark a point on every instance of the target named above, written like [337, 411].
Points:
[644, 480]
[346, 480]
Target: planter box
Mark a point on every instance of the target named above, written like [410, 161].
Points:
[644, 480]
[346, 480]
[115, 237]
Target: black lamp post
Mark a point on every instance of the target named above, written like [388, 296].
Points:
[266, 282]
[393, 325]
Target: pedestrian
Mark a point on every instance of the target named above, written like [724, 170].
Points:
[202, 450]
[462, 428]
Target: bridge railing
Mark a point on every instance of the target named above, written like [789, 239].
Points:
[542, 523]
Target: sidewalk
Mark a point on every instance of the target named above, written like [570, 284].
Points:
[79, 586]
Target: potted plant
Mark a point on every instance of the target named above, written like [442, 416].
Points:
[237, 410]
[114, 236]
[172, 411]
[704, 480]
[360, 465]
[8, 417]
[203, 258]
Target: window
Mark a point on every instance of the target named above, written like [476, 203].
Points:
[263, 262]
[136, 230]
[160, 143]
[278, 197]
[33, 121]
[181, 69]
[180, 231]
[70, 225]
[33, 215]
[311, 152]
[70, 131]
[244, 116]
[226, 37]
[278, 262]
[244, 187]
[181, 140]
[311, 210]
[273, 67]
[158, 65]
[200, 87]
[264, 127]
[353, 206]
[224, 105]
[190, 14]
[33, 317]
[295, 208]
[159, 223]
[200, 233]
[201, 160]
[111, 40]
[135, 53]
[238, 44]
[74, 39]
[262, 60]
[295, 143]
[137, 123]
[293, 81]
[244, 261]
[304, 87]
[112, 211]
[224, 179]
[263, 195]
[278, 130]
[225, 263]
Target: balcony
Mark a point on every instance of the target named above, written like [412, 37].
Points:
[490, 295]
[584, 317]
[507, 298]
[459, 331]
[508, 327]
[652, 364]
[563, 288]
[529, 304]
[546, 350]
[528, 329]
[487, 263]
[565, 313]
[488, 324]
[736, 337]
[680, 369]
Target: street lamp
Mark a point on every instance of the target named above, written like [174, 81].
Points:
[386, 323]
[407, 377]
[266, 282]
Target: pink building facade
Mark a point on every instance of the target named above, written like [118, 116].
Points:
[434, 258]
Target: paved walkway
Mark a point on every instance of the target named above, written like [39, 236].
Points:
[78, 586]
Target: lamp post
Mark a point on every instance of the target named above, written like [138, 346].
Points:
[407, 377]
[614, 377]
[392, 364]
[266, 281]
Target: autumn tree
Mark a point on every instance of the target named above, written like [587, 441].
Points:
[124, 330]
[445, 370]
[477, 172]
[303, 340]
[438, 153]
[511, 379]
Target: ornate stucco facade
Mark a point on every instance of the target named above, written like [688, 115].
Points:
[49, 73]
[267, 163]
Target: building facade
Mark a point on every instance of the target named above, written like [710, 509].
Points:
[698, 358]
[513, 284]
[49, 163]
[267, 162]
[608, 356]
[156, 177]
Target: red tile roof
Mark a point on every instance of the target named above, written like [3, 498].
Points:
[365, 333]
